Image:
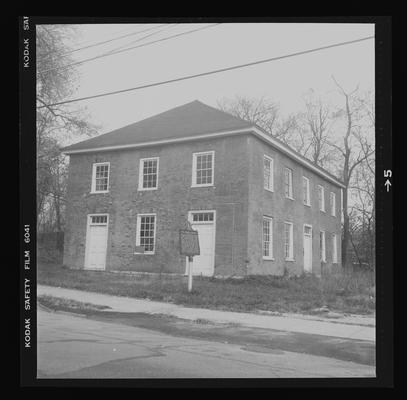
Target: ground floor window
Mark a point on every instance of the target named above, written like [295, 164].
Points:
[288, 241]
[322, 246]
[146, 228]
[267, 238]
[334, 249]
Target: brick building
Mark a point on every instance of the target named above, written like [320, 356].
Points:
[259, 207]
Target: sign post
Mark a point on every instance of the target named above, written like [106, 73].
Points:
[189, 247]
[190, 266]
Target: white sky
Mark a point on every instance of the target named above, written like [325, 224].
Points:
[228, 44]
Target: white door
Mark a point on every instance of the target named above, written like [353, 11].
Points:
[204, 223]
[96, 242]
[307, 248]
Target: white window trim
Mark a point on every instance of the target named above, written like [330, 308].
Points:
[323, 250]
[333, 204]
[194, 161]
[139, 216]
[271, 180]
[291, 184]
[334, 248]
[191, 217]
[271, 256]
[308, 203]
[322, 207]
[93, 185]
[291, 256]
[141, 175]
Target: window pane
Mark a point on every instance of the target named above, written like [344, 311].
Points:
[147, 232]
[203, 169]
[101, 177]
[150, 170]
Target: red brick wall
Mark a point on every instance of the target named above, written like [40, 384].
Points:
[237, 196]
[276, 205]
[171, 202]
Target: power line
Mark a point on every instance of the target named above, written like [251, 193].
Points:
[130, 48]
[105, 41]
[211, 72]
[114, 51]
[135, 41]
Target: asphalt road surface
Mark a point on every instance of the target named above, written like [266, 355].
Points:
[71, 346]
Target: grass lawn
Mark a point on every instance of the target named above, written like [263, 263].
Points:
[348, 293]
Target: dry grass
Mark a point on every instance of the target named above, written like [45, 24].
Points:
[68, 304]
[347, 293]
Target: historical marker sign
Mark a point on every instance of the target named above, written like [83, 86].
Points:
[189, 242]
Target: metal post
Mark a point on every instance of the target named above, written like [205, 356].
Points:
[190, 264]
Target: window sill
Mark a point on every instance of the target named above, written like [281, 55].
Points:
[290, 259]
[269, 190]
[268, 258]
[99, 192]
[308, 205]
[143, 254]
[204, 185]
[146, 189]
[289, 198]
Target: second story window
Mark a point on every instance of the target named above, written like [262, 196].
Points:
[203, 168]
[100, 177]
[148, 176]
[333, 204]
[288, 182]
[268, 173]
[305, 190]
[321, 198]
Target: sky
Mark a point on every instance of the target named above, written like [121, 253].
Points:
[223, 45]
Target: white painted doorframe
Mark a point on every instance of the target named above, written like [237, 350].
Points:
[88, 233]
[213, 223]
[307, 238]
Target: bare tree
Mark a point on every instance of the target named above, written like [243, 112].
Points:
[55, 124]
[262, 112]
[354, 150]
[315, 125]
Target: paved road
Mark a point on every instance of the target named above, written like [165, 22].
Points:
[77, 347]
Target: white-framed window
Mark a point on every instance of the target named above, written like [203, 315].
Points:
[333, 204]
[288, 182]
[98, 219]
[305, 191]
[289, 241]
[146, 229]
[267, 238]
[100, 177]
[268, 173]
[334, 249]
[203, 167]
[148, 173]
[322, 246]
[203, 216]
[321, 198]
